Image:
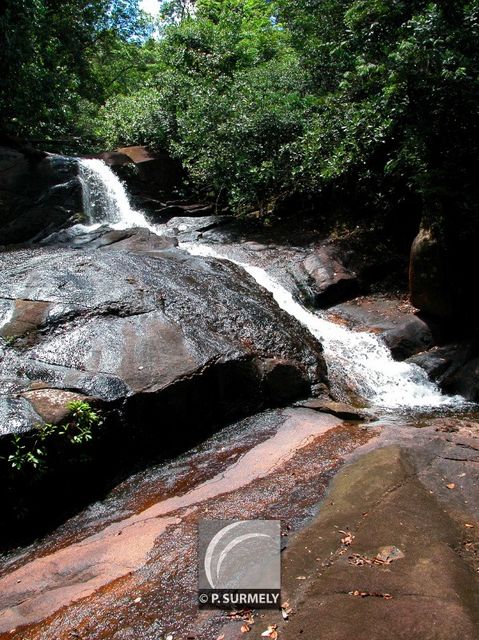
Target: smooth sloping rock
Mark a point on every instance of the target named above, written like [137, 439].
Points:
[136, 316]
[430, 593]
[169, 347]
[339, 409]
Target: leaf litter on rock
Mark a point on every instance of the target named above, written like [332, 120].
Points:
[386, 555]
[286, 610]
[271, 632]
[370, 594]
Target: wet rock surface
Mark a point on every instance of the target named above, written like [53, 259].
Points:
[169, 347]
[328, 279]
[128, 563]
[454, 367]
[430, 591]
[392, 318]
[127, 314]
[313, 271]
[393, 551]
[39, 193]
[404, 488]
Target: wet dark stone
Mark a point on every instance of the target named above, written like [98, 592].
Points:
[402, 331]
[168, 346]
[455, 368]
[39, 194]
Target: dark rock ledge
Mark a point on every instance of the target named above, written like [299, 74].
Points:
[168, 345]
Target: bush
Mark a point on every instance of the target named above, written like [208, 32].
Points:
[33, 450]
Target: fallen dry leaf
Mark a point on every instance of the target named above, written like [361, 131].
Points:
[245, 629]
[469, 526]
[369, 594]
[388, 554]
[285, 610]
[241, 614]
[358, 560]
[270, 632]
[348, 537]
[451, 485]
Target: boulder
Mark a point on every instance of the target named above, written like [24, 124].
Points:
[156, 171]
[463, 381]
[140, 324]
[441, 362]
[328, 279]
[39, 193]
[169, 347]
[402, 331]
[411, 336]
[430, 284]
[455, 368]
[114, 158]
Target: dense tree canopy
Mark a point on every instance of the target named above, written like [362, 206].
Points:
[375, 101]
[63, 58]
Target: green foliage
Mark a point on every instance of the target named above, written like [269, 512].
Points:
[374, 101]
[399, 101]
[137, 118]
[32, 451]
[58, 56]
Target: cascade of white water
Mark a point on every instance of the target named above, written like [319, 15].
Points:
[358, 361]
[105, 199]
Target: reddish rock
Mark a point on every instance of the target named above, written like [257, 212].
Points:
[157, 172]
[403, 332]
[430, 284]
[114, 158]
[52, 404]
[328, 278]
[27, 315]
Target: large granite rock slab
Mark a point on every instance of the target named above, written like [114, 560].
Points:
[131, 320]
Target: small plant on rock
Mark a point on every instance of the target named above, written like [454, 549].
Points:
[32, 451]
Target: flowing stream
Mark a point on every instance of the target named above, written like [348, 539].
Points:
[358, 361]
[105, 199]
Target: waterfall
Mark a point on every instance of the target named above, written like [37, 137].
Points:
[105, 199]
[357, 361]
